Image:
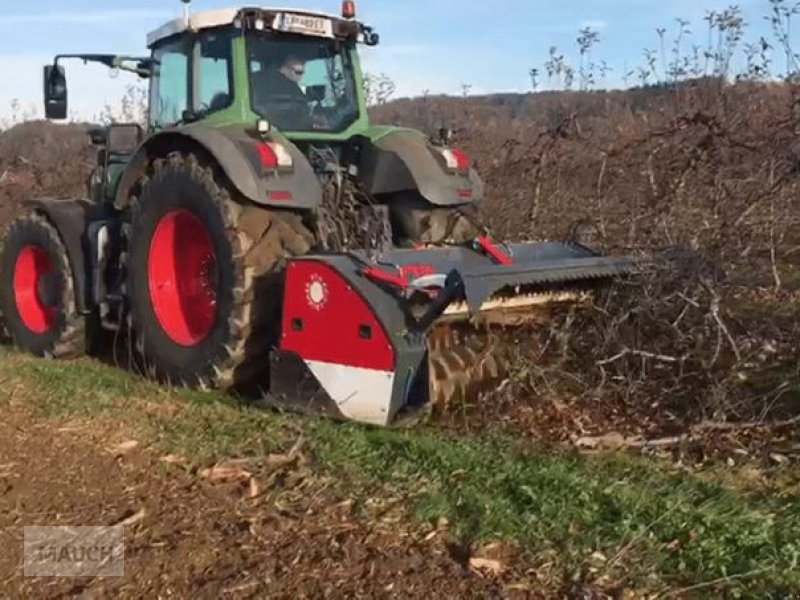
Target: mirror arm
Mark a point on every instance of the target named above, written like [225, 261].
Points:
[104, 59]
[112, 61]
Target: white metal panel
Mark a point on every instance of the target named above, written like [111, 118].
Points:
[215, 18]
[197, 21]
[363, 395]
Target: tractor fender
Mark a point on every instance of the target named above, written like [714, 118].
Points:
[236, 153]
[70, 217]
[401, 160]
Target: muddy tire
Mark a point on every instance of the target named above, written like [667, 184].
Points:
[37, 291]
[415, 220]
[204, 274]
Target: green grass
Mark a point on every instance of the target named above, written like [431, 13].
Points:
[489, 489]
[658, 528]
[790, 277]
[200, 425]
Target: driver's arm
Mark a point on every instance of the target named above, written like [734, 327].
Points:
[286, 106]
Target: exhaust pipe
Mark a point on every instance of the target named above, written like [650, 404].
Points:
[186, 13]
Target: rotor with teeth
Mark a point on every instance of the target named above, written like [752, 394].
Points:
[469, 357]
[512, 309]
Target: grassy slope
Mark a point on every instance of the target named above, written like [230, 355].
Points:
[613, 518]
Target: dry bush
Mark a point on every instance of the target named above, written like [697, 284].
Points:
[39, 158]
[672, 345]
[701, 182]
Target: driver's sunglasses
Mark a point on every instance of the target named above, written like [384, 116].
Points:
[299, 71]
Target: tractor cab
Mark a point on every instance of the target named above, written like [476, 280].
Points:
[291, 70]
[294, 71]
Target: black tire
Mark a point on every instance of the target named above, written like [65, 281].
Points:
[415, 220]
[249, 244]
[48, 323]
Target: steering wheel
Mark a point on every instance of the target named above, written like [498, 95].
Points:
[219, 101]
[286, 108]
[336, 113]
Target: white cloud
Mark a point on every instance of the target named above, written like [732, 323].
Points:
[108, 16]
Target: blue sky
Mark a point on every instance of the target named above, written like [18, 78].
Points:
[435, 45]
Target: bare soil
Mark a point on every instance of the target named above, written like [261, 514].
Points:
[188, 535]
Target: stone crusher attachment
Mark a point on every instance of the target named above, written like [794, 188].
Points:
[375, 341]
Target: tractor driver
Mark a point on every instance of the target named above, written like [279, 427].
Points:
[278, 96]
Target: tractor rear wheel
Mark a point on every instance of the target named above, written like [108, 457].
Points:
[204, 277]
[37, 291]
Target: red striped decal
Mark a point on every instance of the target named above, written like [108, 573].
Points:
[280, 196]
[406, 274]
[326, 320]
[492, 250]
[412, 272]
[382, 276]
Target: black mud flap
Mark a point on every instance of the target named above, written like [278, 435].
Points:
[294, 388]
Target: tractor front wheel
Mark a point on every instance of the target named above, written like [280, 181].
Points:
[37, 291]
[202, 270]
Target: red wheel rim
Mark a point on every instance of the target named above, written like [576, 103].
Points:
[181, 265]
[32, 265]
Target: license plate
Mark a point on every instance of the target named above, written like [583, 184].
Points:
[304, 24]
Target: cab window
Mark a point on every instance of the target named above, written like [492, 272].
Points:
[173, 89]
[170, 83]
[215, 72]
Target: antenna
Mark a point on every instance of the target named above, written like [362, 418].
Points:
[186, 11]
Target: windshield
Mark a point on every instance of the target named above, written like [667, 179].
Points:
[302, 83]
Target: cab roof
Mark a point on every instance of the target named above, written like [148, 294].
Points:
[218, 18]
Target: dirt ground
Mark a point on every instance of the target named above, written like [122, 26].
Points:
[186, 535]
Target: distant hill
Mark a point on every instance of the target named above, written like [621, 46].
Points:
[545, 107]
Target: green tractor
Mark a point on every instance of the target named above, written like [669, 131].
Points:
[261, 235]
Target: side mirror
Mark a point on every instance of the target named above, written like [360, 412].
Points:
[370, 37]
[316, 93]
[98, 136]
[55, 92]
